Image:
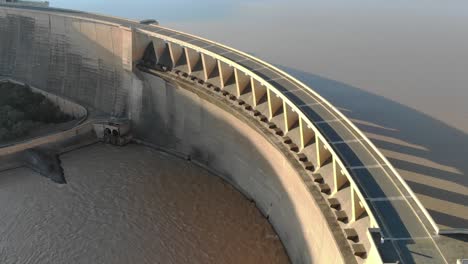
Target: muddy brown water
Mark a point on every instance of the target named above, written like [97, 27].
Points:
[130, 205]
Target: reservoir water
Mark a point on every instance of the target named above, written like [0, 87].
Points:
[130, 205]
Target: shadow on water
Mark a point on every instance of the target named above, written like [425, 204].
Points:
[428, 153]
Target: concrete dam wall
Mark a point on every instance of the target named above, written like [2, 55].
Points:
[90, 62]
[212, 134]
[67, 56]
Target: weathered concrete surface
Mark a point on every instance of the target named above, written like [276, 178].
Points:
[70, 57]
[181, 121]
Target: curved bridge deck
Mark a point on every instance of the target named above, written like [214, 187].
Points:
[322, 133]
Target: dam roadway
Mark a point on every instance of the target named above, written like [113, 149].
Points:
[405, 230]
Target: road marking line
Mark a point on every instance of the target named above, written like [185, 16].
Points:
[328, 121]
[309, 104]
[261, 68]
[405, 238]
[207, 46]
[275, 79]
[291, 91]
[347, 141]
[384, 199]
[175, 35]
[159, 30]
[226, 52]
[366, 167]
[192, 40]
[246, 59]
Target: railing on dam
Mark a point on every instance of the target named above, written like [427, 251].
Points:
[356, 162]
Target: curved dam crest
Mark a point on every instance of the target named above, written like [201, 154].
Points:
[330, 195]
[196, 127]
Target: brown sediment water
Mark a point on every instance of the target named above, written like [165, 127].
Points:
[130, 205]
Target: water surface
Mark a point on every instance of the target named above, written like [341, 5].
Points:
[130, 205]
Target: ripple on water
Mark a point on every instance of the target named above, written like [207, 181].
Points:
[130, 205]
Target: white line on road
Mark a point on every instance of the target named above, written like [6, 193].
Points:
[309, 104]
[226, 52]
[275, 79]
[384, 199]
[347, 141]
[175, 35]
[261, 68]
[192, 40]
[246, 59]
[366, 167]
[159, 30]
[207, 46]
[291, 91]
[405, 238]
[328, 121]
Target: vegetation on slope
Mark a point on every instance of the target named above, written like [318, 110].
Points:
[22, 110]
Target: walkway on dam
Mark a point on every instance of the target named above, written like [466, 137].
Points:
[398, 214]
